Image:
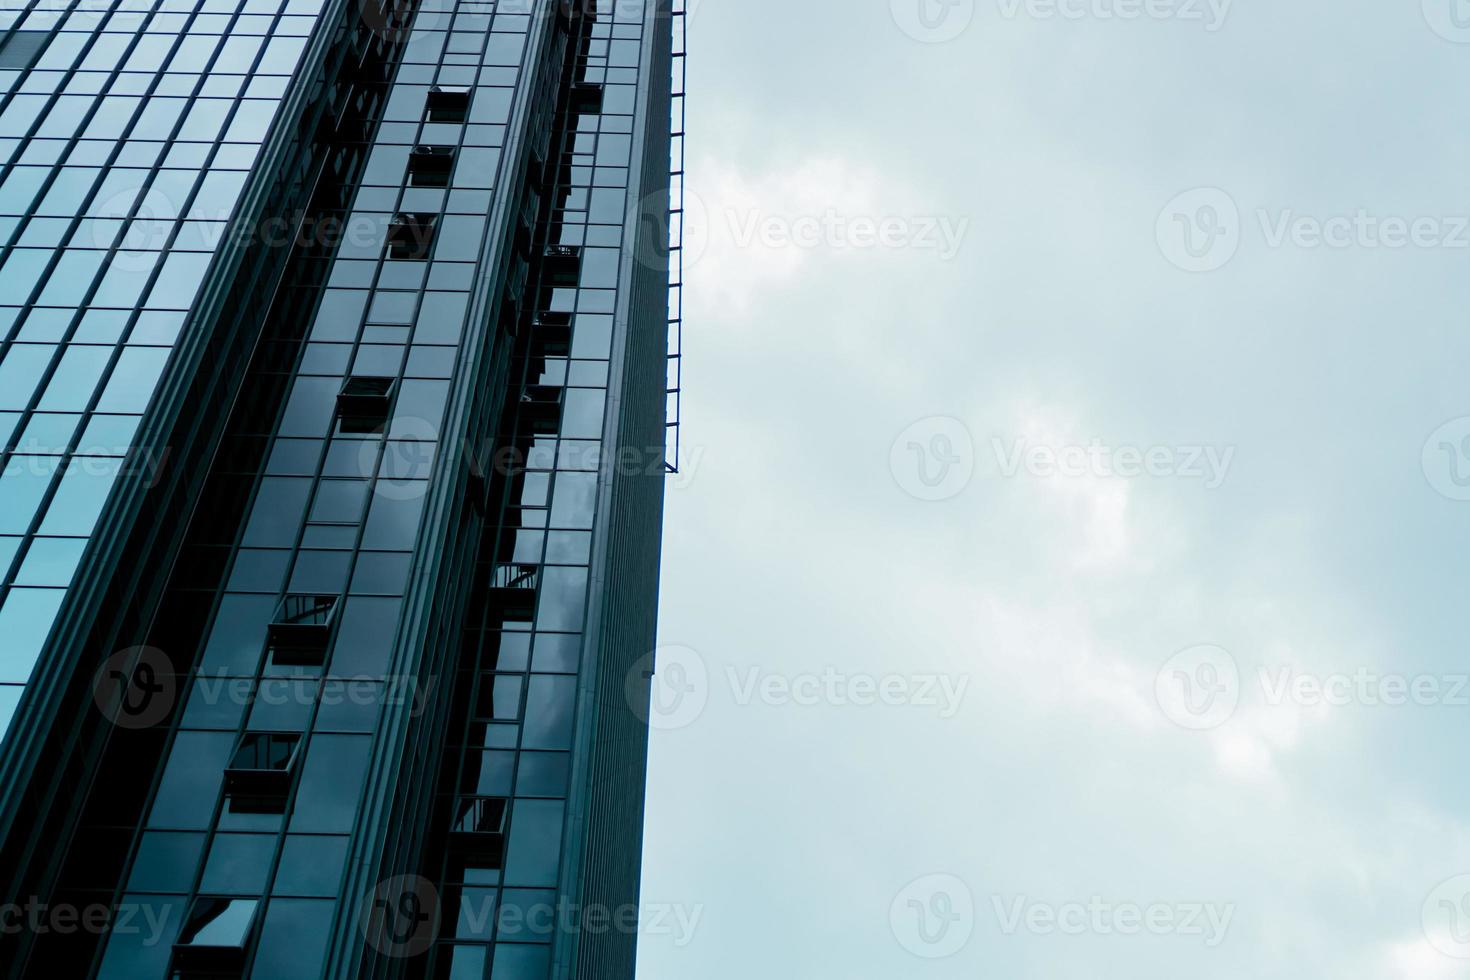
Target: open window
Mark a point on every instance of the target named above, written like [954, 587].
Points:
[586, 98]
[551, 334]
[364, 403]
[448, 104]
[430, 166]
[301, 629]
[215, 938]
[540, 409]
[561, 265]
[411, 235]
[260, 774]
[478, 834]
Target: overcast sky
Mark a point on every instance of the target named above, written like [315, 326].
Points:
[1067, 578]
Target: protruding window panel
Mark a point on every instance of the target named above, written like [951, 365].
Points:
[259, 777]
[586, 98]
[480, 815]
[302, 629]
[430, 166]
[215, 938]
[363, 404]
[561, 266]
[477, 839]
[411, 235]
[551, 334]
[448, 104]
[540, 409]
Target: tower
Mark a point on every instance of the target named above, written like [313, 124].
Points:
[333, 392]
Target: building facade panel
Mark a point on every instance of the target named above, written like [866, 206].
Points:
[382, 665]
[129, 131]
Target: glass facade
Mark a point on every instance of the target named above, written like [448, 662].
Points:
[394, 637]
[525, 636]
[128, 132]
[336, 512]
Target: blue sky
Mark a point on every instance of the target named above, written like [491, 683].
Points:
[1067, 574]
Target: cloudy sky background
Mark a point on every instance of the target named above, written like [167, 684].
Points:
[797, 539]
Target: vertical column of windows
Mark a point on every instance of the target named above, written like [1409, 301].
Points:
[506, 796]
[335, 519]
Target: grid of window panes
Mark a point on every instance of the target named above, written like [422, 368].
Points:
[514, 758]
[127, 130]
[336, 513]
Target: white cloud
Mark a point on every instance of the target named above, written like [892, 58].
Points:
[752, 230]
[1061, 597]
[1415, 959]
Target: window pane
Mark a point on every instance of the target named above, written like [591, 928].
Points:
[75, 381]
[79, 497]
[25, 622]
[24, 483]
[51, 561]
[326, 800]
[550, 705]
[535, 843]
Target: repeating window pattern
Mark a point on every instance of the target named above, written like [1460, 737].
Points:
[330, 534]
[506, 793]
[258, 792]
[127, 131]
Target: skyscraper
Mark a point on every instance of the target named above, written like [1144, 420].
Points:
[333, 399]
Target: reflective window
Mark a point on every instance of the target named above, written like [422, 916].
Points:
[550, 705]
[22, 49]
[191, 780]
[80, 495]
[51, 561]
[25, 621]
[535, 843]
[166, 862]
[62, 362]
[238, 864]
[327, 798]
[293, 939]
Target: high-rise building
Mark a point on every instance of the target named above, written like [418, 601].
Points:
[333, 403]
